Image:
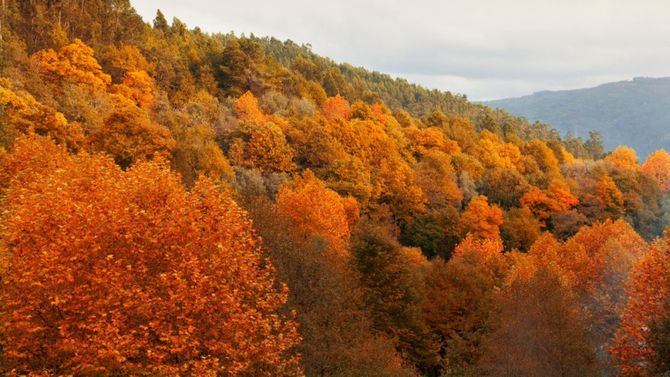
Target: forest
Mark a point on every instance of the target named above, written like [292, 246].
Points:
[179, 203]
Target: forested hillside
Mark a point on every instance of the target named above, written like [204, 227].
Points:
[636, 113]
[176, 203]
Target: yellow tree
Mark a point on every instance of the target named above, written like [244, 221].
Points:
[74, 63]
[129, 135]
[25, 115]
[609, 195]
[657, 166]
[623, 157]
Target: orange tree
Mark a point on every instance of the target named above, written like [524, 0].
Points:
[115, 272]
[647, 292]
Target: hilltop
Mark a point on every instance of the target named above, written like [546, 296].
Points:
[634, 113]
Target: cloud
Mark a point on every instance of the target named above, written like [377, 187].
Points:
[483, 48]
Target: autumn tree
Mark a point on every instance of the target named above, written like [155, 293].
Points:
[73, 64]
[338, 339]
[657, 166]
[610, 196]
[23, 114]
[647, 292]
[459, 298]
[336, 107]
[596, 262]
[313, 210]
[137, 86]
[130, 135]
[247, 110]
[539, 330]
[623, 157]
[391, 293]
[140, 277]
[436, 177]
[520, 229]
[504, 186]
[481, 219]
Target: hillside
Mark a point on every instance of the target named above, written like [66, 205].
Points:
[634, 113]
[177, 203]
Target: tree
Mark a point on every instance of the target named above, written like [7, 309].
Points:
[610, 196]
[543, 204]
[623, 157]
[647, 292]
[129, 135]
[336, 107]
[436, 177]
[197, 153]
[391, 293]
[435, 232]
[338, 339]
[314, 210]
[74, 64]
[596, 262]
[459, 299]
[114, 272]
[657, 166]
[520, 229]
[594, 145]
[247, 110]
[137, 86]
[481, 219]
[504, 186]
[538, 331]
[25, 115]
[237, 72]
[659, 341]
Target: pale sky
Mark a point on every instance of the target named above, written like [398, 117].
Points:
[486, 49]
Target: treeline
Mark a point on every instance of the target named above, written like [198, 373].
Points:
[180, 203]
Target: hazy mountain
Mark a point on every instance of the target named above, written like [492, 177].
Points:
[635, 113]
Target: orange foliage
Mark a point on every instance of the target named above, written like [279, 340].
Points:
[128, 59]
[557, 198]
[658, 167]
[73, 63]
[623, 157]
[609, 195]
[493, 152]
[426, 139]
[129, 135]
[336, 107]
[25, 115]
[127, 273]
[585, 256]
[436, 178]
[247, 110]
[647, 293]
[314, 210]
[137, 86]
[481, 219]
[486, 249]
[560, 192]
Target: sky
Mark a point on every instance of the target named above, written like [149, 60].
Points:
[486, 49]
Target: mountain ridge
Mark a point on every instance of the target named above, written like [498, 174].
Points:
[616, 109]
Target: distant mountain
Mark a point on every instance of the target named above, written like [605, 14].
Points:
[635, 113]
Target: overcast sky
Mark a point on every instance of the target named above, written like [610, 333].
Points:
[485, 49]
